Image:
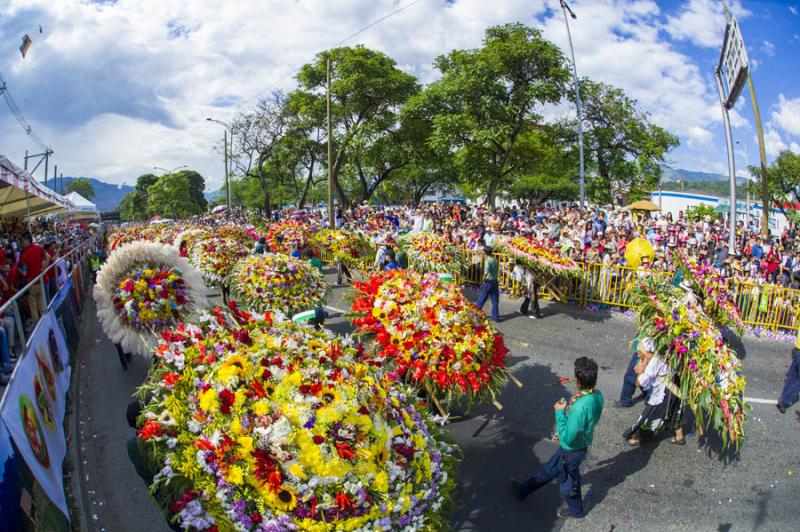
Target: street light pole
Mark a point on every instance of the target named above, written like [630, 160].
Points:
[564, 9]
[331, 216]
[731, 162]
[227, 154]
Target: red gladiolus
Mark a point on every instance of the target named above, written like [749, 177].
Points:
[151, 429]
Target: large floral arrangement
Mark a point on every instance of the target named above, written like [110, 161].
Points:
[278, 283]
[217, 257]
[281, 427]
[282, 237]
[144, 288]
[718, 302]
[711, 379]
[191, 236]
[241, 234]
[342, 245]
[540, 259]
[126, 235]
[431, 336]
[428, 252]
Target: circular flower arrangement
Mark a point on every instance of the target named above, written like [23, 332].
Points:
[259, 427]
[240, 234]
[341, 245]
[142, 289]
[431, 253]
[217, 257]
[191, 237]
[285, 236]
[278, 283]
[431, 336]
[132, 234]
[532, 254]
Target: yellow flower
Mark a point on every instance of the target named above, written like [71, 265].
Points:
[284, 500]
[235, 475]
[382, 482]
[297, 470]
[208, 400]
[234, 365]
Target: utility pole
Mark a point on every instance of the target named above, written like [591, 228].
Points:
[55, 179]
[47, 153]
[331, 216]
[227, 174]
[578, 106]
[731, 162]
[765, 199]
[26, 160]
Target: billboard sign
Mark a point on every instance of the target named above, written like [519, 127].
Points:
[733, 62]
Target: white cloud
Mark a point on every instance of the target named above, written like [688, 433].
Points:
[773, 143]
[702, 22]
[699, 137]
[795, 148]
[793, 10]
[768, 48]
[786, 114]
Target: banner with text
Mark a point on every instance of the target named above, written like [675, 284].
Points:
[34, 407]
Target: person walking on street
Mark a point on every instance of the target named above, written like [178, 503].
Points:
[575, 423]
[490, 287]
[641, 348]
[791, 387]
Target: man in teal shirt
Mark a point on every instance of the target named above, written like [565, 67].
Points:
[490, 287]
[575, 428]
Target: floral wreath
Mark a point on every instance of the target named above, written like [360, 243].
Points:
[275, 282]
[428, 252]
[216, 258]
[261, 426]
[282, 237]
[144, 288]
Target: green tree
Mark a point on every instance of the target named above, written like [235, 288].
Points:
[82, 186]
[133, 207]
[176, 195]
[367, 92]
[624, 150]
[783, 182]
[698, 212]
[488, 99]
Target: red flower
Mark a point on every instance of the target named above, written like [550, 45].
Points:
[151, 429]
[319, 440]
[226, 400]
[169, 379]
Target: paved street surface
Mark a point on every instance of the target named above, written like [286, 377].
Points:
[656, 487]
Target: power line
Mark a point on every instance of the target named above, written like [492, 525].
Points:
[16, 113]
[355, 34]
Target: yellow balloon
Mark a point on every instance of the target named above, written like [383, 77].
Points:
[636, 250]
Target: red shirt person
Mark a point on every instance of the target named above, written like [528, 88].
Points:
[34, 257]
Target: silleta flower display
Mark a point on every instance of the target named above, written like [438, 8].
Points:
[260, 426]
[711, 379]
[283, 237]
[278, 283]
[711, 287]
[431, 253]
[341, 245]
[540, 259]
[216, 257]
[142, 289]
[431, 336]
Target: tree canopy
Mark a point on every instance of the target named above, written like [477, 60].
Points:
[82, 186]
[174, 195]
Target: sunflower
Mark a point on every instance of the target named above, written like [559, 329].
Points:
[285, 499]
[234, 366]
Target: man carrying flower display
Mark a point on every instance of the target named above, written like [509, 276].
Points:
[791, 388]
[575, 423]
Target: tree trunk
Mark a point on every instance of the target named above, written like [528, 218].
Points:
[267, 207]
[491, 194]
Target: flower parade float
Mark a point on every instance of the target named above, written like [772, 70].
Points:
[428, 252]
[431, 337]
[277, 283]
[283, 237]
[546, 264]
[341, 245]
[686, 338]
[253, 425]
[143, 289]
[216, 258]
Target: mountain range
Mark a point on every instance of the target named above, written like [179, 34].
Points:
[688, 176]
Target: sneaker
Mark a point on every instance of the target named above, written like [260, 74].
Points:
[781, 408]
[535, 316]
[620, 404]
[563, 513]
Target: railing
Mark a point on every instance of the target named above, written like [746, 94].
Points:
[760, 305]
[76, 255]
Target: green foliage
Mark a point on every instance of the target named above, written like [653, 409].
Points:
[133, 207]
[82, 186]
[623, 148]
[487, 102]
[783, 180]
[177, 195]
[699, 211]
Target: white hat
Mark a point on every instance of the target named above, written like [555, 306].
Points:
[648, 344]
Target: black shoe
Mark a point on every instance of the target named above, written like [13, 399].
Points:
[620, 404]
[780, 407]
[515, 490]
[563, 513]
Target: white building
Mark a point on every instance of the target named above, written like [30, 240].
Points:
[680, 201]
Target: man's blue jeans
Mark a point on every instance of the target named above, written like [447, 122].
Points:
[490, 289]
[629, 381]
[791, 388]
[563, 466]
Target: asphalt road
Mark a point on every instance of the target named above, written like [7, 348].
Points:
[656, 487]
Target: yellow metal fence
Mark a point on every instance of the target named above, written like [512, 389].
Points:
[760, 305]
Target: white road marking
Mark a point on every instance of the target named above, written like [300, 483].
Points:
[761, 401]
[340, 311]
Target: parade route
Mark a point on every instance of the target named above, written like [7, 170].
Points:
[656, 487]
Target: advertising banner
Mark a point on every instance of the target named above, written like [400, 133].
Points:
[34, 407]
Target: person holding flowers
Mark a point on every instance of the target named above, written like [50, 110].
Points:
[575, 424]
[791, 387]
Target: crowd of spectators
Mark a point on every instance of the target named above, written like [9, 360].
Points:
[27, 251]
[593, 236]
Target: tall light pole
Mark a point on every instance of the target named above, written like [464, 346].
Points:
[170, 171]
[564, 9]
[228, 129]
[331, 215]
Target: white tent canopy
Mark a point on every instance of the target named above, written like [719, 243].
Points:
[21, 194]
[81, 203]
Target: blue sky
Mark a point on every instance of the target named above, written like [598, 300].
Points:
[117, 87]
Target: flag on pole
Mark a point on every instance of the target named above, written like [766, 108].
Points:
[25, 46]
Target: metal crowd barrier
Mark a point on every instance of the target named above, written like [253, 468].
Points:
[760, 305]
